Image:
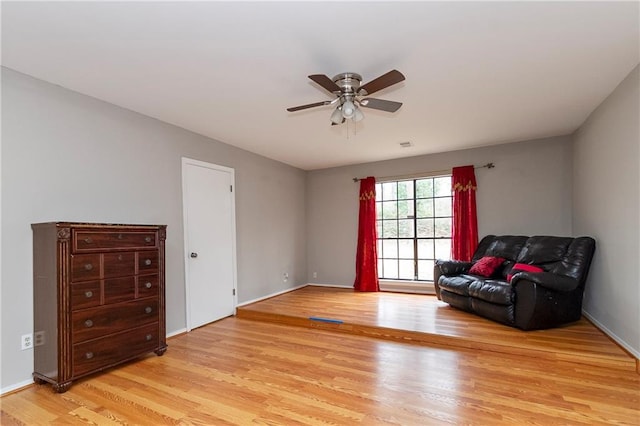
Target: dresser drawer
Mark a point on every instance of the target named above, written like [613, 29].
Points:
[85, 295]
[119, 264]
[109, 350]
[147, 286]
[147, 261]
[119, 289]
[95, 240]
[85, 267]
[107, 319]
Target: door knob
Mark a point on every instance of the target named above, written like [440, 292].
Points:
[194, 255]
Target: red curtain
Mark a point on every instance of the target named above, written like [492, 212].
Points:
[464, 235]
[367, 254]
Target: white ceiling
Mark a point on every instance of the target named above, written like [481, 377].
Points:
[476, 73]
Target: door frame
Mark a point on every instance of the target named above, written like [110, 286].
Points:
[185, 227]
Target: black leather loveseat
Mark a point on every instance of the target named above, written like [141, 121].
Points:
[512, 296]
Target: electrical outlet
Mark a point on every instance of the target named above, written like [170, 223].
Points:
[27, 341]
[315, 275]
[38, 338]
[286, 277]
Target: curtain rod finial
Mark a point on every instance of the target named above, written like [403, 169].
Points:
[356, 179]
[490, 165]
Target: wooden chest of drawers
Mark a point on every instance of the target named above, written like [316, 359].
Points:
[98, 297]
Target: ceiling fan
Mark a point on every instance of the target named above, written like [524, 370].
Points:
[350, 95]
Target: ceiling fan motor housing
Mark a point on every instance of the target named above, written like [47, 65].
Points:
[349, 82]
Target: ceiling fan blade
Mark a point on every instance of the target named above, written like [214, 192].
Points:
[381, 104]
[298, 108]
[336, 124]
[326, 83]
[384, 81]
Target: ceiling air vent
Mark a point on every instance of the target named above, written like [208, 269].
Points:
[406, 144]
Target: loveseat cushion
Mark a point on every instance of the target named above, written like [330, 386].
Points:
[458, 284]
[490, 290]
[494, 291]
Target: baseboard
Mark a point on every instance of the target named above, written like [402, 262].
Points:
[248, 302]
[177, 332]
[16, 387]
[329, 285]
[614, 337]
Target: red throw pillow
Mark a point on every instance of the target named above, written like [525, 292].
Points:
[523, 267]
[486, 266]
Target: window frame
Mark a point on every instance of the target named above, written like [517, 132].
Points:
[412, 215]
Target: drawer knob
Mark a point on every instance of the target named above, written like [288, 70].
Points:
[88, 323]
[148, 310]
[119, 236]
[88, 266]
[147, 262]
[120, 257]
[147, 239]
[148, 337]
[88, 355]
[88, 294]
[88, 240]
[147, 285]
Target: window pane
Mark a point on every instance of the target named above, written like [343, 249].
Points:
[405, 190]
[424, 188]
[379, 228]
[407, 271]
[442, 186]
[425, 208]
[389, 229]
[443, 249]
[389, 210]
[378, 191]
[443, 206]
[390, 267]
[390, 248]
[405, 249]
[378, 210]
[405, 209]
[389, 191]
[405, 228]
[425, 228]
[380, 268]
[443, 227]
[425, 249]
[379, 249]
[425, 270]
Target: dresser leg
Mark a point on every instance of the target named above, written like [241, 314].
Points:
[160, 351]
[62, 387]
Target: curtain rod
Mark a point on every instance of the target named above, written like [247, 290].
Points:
[486, 166]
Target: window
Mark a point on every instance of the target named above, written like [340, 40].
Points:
[414, 227]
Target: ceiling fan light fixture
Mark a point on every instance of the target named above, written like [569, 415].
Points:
[336, 117]
[357, 115]
[348, 109]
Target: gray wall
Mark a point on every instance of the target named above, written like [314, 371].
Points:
[528, 192]
[66, 156]
[606, 204]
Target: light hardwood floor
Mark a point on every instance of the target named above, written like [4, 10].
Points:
[242, 371]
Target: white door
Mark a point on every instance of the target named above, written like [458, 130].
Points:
[209, 232]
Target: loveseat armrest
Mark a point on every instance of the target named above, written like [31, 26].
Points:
[452, 267]
[448, 268]
[548, 280]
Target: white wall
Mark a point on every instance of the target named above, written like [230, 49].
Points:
[69, 157]
[606, 204]
[527, 193]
